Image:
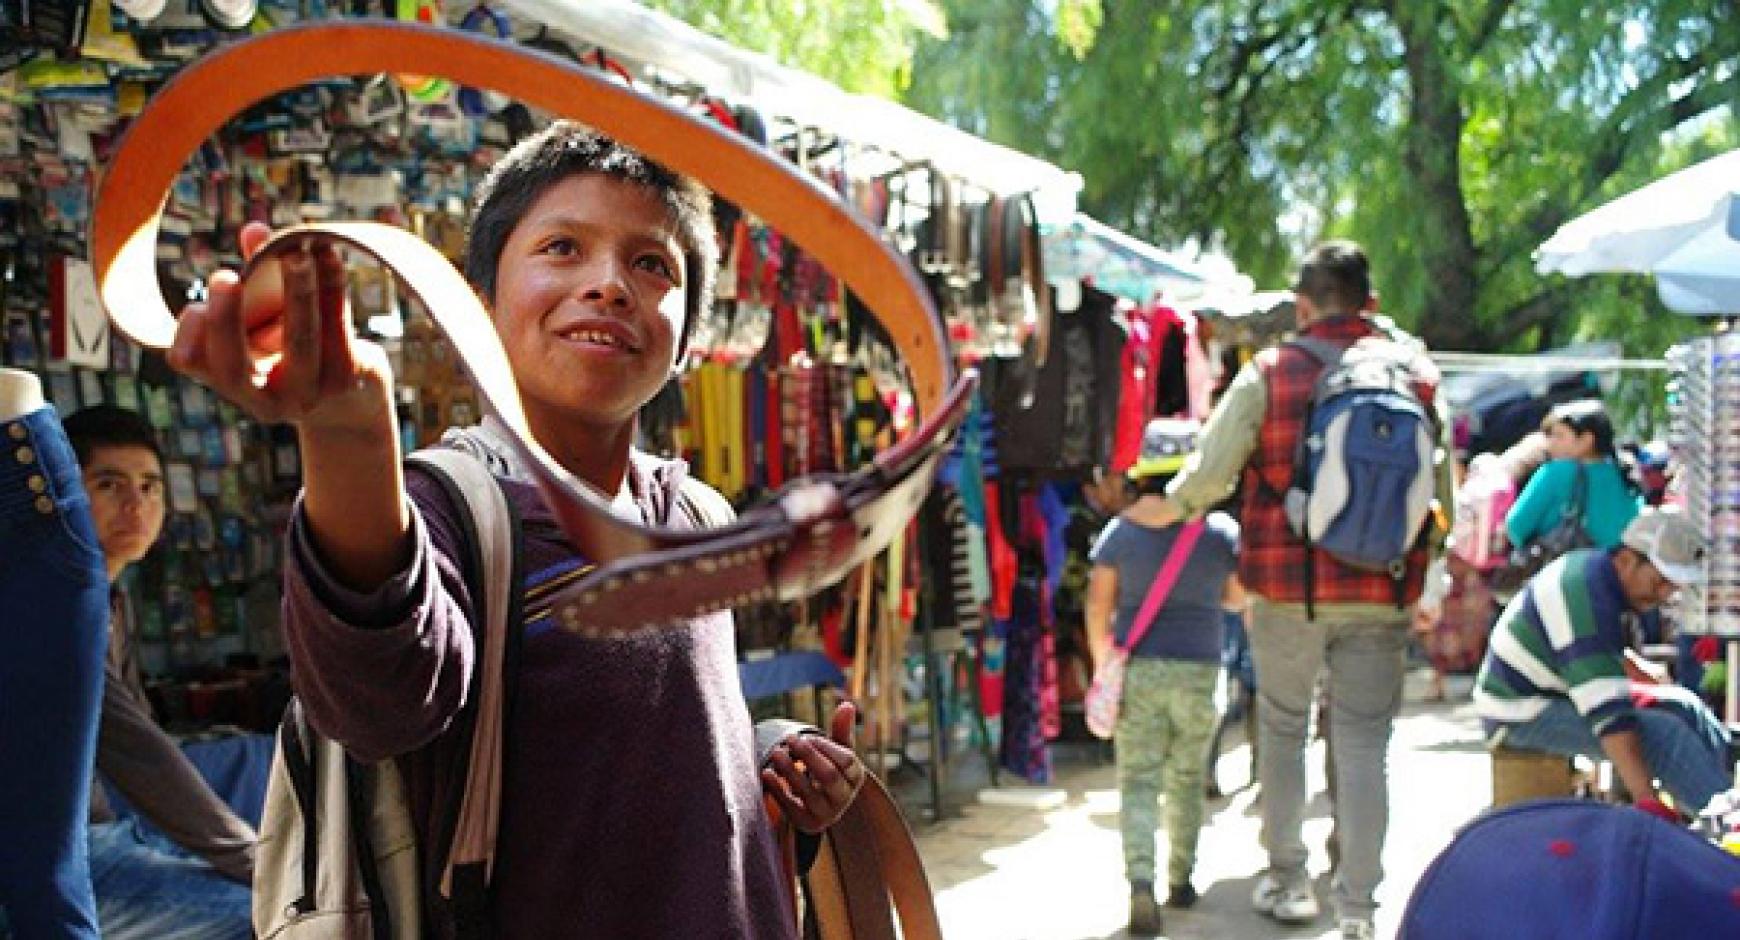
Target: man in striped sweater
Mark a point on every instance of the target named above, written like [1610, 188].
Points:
[1560, 677]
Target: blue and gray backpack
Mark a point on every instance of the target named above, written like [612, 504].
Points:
[1362, 474]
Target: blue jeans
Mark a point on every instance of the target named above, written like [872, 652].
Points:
[54, 627]
[146, 892]
[1683, 743]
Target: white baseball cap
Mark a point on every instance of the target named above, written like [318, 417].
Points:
[1670, 541]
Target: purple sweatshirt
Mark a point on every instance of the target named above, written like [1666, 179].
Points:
[631, 803]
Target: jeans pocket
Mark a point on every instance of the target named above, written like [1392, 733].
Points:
[68, 544]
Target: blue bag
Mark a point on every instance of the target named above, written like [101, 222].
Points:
[1575, 868]
[1362, 475]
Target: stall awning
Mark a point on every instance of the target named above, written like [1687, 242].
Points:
[1127, 266]
[636, 33]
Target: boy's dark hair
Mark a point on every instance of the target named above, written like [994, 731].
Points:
[1336, 276]
[108, 426]
[565, 149]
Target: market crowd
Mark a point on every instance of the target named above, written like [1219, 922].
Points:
[1542, 565]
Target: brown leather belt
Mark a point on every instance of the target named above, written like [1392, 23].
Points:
[812, 534]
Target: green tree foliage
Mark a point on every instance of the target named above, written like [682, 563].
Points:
[861, 46]
[1451, 137]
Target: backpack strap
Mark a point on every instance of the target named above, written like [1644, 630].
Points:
[494, 529]
[299, 767]
[1328, 356]
[1326, 353]
[356, 788]
[1579, 497]
[301, 755]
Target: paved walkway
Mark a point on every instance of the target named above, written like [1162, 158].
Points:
[1027, 873]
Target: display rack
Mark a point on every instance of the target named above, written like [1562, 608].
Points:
[1704, 432]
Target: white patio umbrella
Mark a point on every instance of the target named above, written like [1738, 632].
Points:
[1684, 229]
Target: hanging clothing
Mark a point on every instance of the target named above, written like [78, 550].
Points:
[1039, 549]
[1200, 375]
[1024, 752]
[945, 539]
[1137, 383]
[1171, 393]
[1067, 428]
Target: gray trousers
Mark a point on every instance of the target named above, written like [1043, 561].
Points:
[1365, 665]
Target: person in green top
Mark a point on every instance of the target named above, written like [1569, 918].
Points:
[1580, 442]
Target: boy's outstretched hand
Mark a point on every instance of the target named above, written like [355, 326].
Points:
[282, 348]
[813, 778]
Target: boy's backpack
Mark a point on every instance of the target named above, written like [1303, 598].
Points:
[1362, 474]
[1575, 868]
[338, 855]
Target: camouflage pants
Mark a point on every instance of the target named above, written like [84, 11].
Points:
[1164, 723]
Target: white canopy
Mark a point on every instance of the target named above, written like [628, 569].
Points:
[1684, 229]
[638, 34]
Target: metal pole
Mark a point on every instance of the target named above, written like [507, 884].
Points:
[932, 692]
[1732, 714]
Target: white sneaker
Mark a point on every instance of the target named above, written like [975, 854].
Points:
[142, 11]
[1289, 904]
[1726, 803]
[1357, 928]
[231, 14]
[1720, 816]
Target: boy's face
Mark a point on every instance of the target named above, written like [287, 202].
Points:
[125, 485]
[589, 301]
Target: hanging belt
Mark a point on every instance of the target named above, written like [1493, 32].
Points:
[812, 534]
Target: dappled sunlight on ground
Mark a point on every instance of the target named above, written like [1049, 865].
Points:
[1018, 873]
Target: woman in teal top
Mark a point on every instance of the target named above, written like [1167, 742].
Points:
[1579, 440]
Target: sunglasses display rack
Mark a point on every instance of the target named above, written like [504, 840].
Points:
[1704, 405]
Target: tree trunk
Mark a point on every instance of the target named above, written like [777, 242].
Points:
[1432, 155]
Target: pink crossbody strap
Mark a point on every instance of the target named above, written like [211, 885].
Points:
[1163, 582]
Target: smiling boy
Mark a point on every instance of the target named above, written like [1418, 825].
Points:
[632, 800]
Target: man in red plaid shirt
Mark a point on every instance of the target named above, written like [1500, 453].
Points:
[1360, 628]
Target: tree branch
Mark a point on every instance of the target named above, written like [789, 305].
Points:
[1618, 137]
[1487, 25]
[1539, 310]
[1244, 102]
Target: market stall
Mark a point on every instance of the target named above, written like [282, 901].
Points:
[962, 637]
[1684, 230]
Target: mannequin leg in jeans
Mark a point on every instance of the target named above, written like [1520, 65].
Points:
[54, 591]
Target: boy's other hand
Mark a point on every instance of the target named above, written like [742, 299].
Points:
[280, 346]
[815, 779]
